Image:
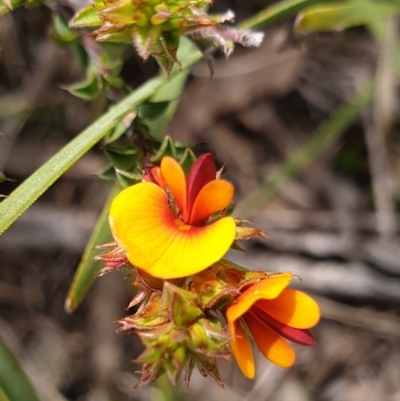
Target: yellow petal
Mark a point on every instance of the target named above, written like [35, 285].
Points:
[271, 344]
[268, 288]
[213, 197]
[241, 349]
[176, 181]
[292, 308]
[156, 241]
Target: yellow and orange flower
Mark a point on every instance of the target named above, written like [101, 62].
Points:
[272, 313]
[168, 225]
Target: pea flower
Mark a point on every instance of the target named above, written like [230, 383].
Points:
[272, 313]
[170, 226]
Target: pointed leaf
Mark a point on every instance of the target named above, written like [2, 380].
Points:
[338, 15]
[108, 173]
[151, 111]
[13, 382]
[89, 88]
[86, 17]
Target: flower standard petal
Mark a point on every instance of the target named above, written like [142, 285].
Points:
[241, 349]
[175, 178]
[271, 344]
[268, 288]
[213, 197]
[292, 308]
[201, 173]
[156, 241]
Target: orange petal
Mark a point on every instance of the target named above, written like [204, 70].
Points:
[176, 181]
[271, 344]
[241, 349]
[213, 197]
[156, 241]
[268, 288]
[156, 171]
[292, 308]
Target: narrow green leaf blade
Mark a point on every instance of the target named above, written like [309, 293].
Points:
[88, 268]
[13, 382]
[338, 16]
[279, 11]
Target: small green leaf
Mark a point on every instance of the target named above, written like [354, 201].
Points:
[89, 88]
[2, 177]
[151, 111]
[88, 268]
[339, 16]
[108, 173]
[13, 382]
[127, 179]
[85, 18]
[116, 133]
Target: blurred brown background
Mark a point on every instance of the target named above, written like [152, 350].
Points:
[335, 225]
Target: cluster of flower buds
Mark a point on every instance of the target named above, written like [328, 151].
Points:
[193, 306]
[155, 27]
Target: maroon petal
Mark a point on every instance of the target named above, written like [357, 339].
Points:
[298, 336]
[148, 174]
[201, 173]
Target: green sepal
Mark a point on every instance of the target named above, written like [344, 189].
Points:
[183, 309]
[187, 159]
[150, 316]
[167, 148]
[164, 51]
[244, 233]
[122, 36]
[87, 17]
[119, 13]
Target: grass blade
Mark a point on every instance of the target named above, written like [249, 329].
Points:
[14, 385]
[88, 268]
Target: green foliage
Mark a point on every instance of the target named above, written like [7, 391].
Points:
[14, 385]
[342, 15]
[89, 88]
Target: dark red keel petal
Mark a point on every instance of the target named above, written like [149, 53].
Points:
[201, 173]
[298, 336]
[148, 175]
